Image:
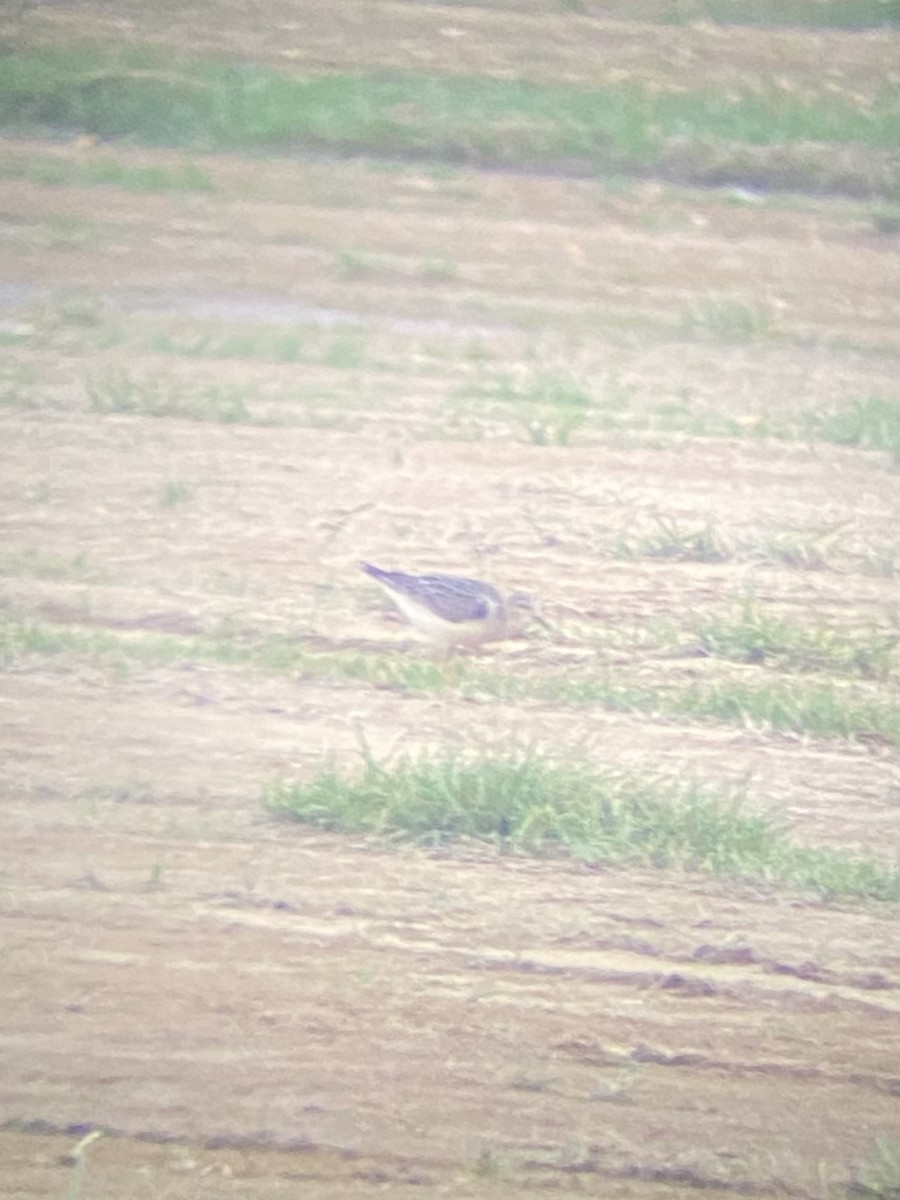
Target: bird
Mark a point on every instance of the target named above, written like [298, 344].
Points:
[453, 611]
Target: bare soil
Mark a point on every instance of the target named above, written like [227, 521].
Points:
[253, 1009]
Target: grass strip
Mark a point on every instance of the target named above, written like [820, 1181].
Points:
[868, 423]
[825, 708]
[52, 171]
[148, 94]
[799, 14]
[532, 805]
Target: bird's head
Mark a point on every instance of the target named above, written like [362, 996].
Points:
[521, 604]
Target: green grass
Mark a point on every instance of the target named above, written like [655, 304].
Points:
[70, 310]
[758, 635]
[809, 550]
[57, 232]
[871, 424]
[825, 709]
[231, 343]
[542, 387]
[40, 564]
[18, 394]
[437, 270]
[557, 429]
[878, 1177]
[546, 399]
[352, 264]
[175, 493]
[674, 540]
[344, 350]
[546, 403]
[803, 14]
[533, 805]
[728, 320]
[347, 352]
[822, 708]
[52, 171]
[885, 221]
[549, 406]
[148, 94]
[119, 392]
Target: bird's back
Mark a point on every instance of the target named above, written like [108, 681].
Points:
[449, 597]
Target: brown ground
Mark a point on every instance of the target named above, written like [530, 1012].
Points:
[256, 1010]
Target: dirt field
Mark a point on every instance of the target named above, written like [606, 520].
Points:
[250, 1008]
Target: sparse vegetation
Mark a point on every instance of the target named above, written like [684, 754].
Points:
[41, 564]
[822, 708]
[546, 399]
[174, 493]
[878, 1177]
[158, 397]
[552, 430]
[618, 1087]
[801, 551]
[813, 549]
[17, 394]
[355, 265]
[346, 351]
[346, 348]
[57, 232]
[886, 221]
[549, 405]
[540, 387]
[823, 14]
[438, 270]
[673, 540]
[759, 635]
[727, 319]
[69, 309]
[871, 424]
[52, 170]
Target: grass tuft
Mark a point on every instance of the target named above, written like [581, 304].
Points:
[53, 171]
[549, 405]
[760, 636]
[671, 540]
[878, 1177]
[41, 564]
[174, 493]
[871, 424]
[532, 805]
[122, 393]
[549, 388]
[801, 550]
[727, 320]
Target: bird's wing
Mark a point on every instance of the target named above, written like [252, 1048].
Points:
[456, 599]
[450, 597]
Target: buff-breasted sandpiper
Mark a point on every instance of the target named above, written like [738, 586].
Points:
[452, 611]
